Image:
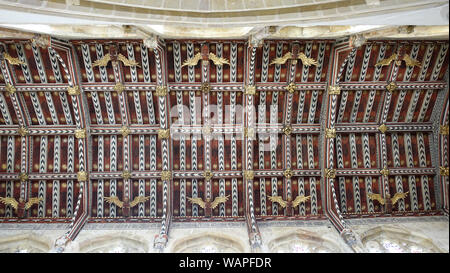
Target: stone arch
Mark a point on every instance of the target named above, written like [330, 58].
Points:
[302, 241]
[208, 242]
[396, 239]
[25, 243]
[114, 243]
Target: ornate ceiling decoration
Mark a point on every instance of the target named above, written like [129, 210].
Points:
[74, 133]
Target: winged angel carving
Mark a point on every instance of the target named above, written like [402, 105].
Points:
[289, 204]
[208, 205]
[305, 60]
[108, 57]
[126, 205]
[211, 56]
[11, 59]
[20, 206]
[388, 202]
[405, 57]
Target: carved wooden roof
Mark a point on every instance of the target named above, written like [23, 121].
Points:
[277, 141]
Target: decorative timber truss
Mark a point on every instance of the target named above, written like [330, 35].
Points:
[202, 119]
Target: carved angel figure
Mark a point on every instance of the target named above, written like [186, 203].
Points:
[301, 56]
[114, 57]
[405, 57]
[216, 60]
[388, 202]
[105, 60]
[20, 206]
[211, 56]
[11, 59]
[208, 205]
[126, 205]
[289, 204]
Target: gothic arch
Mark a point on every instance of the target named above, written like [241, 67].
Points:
[25, 243]
[302, 241]
[396, 239]
[208, 242]
[114, 243]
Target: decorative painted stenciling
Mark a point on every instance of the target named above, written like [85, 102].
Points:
[25, 67]
[70, 168]
[320, 61]
[411, 178]
[133, 71]
[423, 178]
[233, 62]
[87, 62]
[439, 62]
[4, 110]
[39, 63]
[279, 54]
[355, 179]
[398, 179]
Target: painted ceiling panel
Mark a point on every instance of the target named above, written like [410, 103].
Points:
[212, 149]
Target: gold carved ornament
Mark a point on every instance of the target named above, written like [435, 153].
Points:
[291, 88]
[443, 130]
[166, 175]
[207, 174]
[163, 133]
[126, 175]
[119, 87]
[161, 91]
[107, 58]
[287, 130]
[23, 131]
[250, 90]
[334, 90]
[249, 174]
[12, 60]
[82, 176]
[443, 171]
[80, 133]
[211, 56]
[10, 89]
[207, 130]
[249, 133]
[125, 131]
[406, 58]
[384, 171]
[383, 128]
[330, 173]
[330, 132]
[289, 56]
[23, 177]
[73, 91]
[288, 173]
[206, 87]
[391, 87]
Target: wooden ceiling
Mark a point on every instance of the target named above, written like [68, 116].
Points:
[211, 113]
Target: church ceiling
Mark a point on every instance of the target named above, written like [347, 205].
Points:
[75, 133]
